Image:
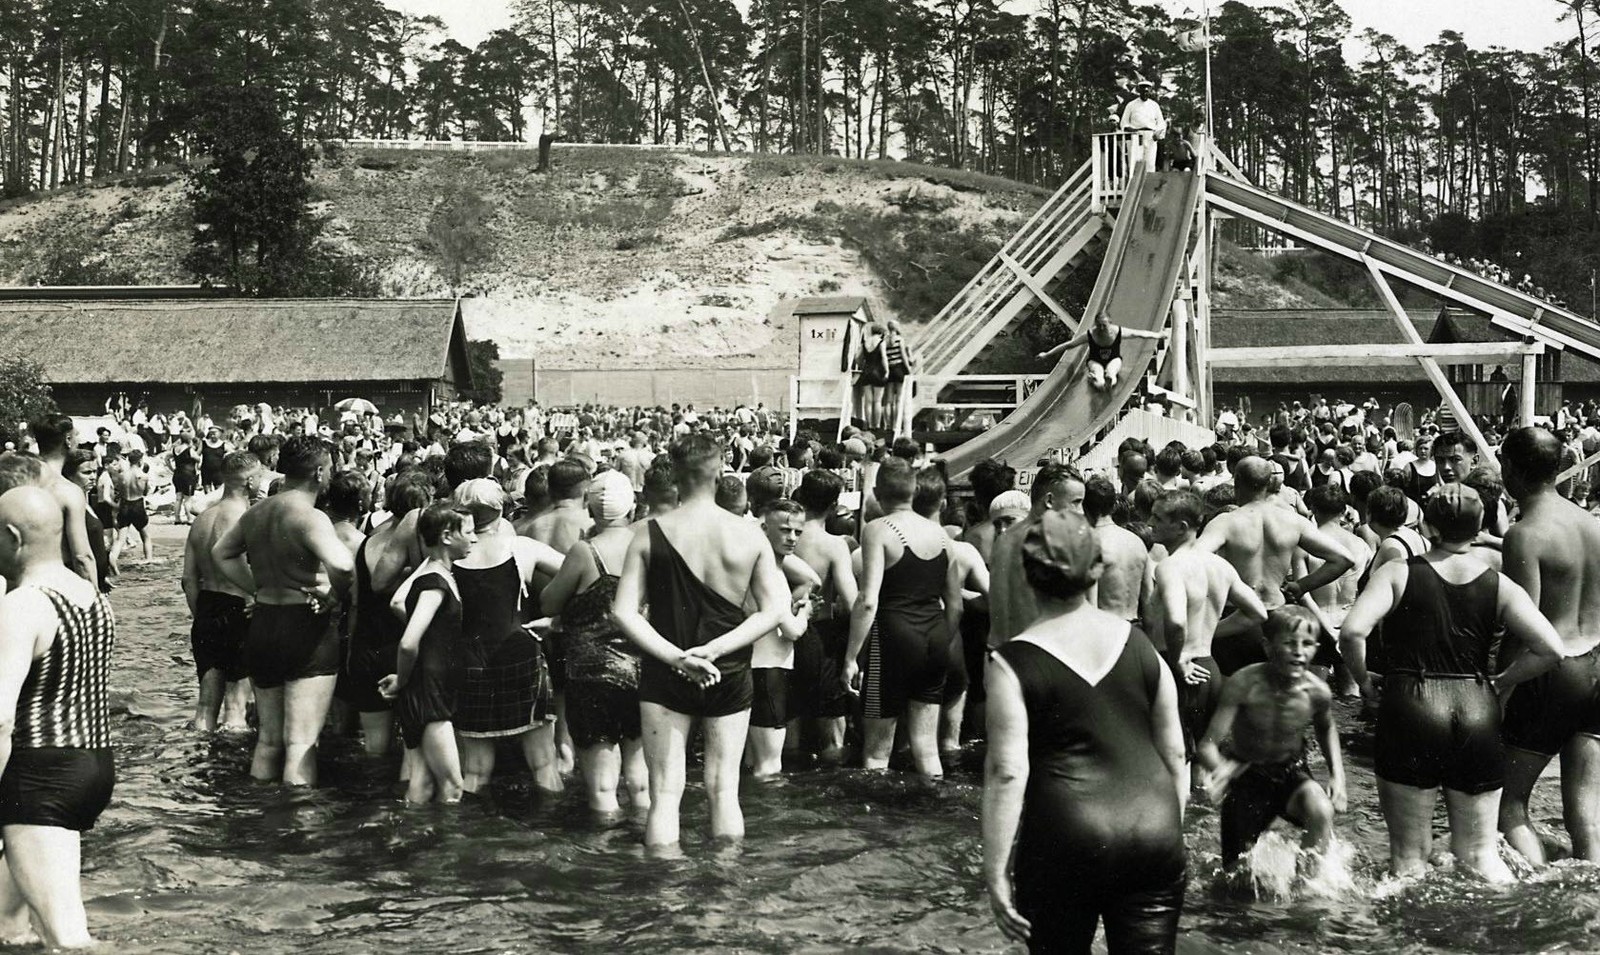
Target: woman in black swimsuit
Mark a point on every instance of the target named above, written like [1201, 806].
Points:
[1104, 339]
[1439, 709]
[1083, 785]
[871, 366]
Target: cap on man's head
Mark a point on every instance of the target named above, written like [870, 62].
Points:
[1144, 85]
[1455, 511]
[1064, 541]
[1010, 502]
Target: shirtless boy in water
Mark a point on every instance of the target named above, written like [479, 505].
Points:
[1262, 720]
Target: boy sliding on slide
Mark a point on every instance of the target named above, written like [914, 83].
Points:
[1105, 349]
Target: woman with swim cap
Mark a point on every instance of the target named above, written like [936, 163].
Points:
[1084, 775]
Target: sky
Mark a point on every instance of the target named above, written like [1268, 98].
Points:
[1515, 24]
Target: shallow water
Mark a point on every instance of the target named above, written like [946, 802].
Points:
[193, 856]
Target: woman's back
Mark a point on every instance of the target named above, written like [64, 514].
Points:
[914, 579]
[1100, 800]
[1446, 619]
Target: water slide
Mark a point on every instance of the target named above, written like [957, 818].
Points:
[1514, 311]
[1142, 262]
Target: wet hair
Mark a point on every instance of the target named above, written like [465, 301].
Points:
[536, 488]
[1099, 497]
[731, 495]
[906, 449]
[1144, 497]
[783, 506]
[135, 456]
[437, 519]
[262, 446]
[1283, 621]
[797, 452]
[20, 469]
[1345, 455]
[696, 459]
[1452, 439]
[1182, 506]
[896, 483]
[830, 458]
[1326, 501]
[1387, 506]
[347, 494]
[51, 432]
[1219, 498]
[75, 460]
[566, 479]
[760, 456]
[1051, 479]
[1490, 489]
[465, 460]
[1362, 484]
[299, 457]
[1534, 453]
[762, 488]
[1169, 461]
[990, 479]
[819, 491]
[1280, 436]
[237, 466]
[1195, 461]
[660, 484]
[929, 495]
[408, 492]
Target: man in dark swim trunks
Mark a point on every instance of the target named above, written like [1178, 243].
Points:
[56, 768]
[695, 566]
[1553, 551]
[133, 483]
[1255, 748]
[53, 435]
[286, 552]
[219, 607]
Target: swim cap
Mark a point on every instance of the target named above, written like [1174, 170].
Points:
[1455, 511]
[1064, 542]
[480, 494]
[610, 497]
[855, 446]
[1010, 501]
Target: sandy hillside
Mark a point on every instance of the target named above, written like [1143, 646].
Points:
[615, 258]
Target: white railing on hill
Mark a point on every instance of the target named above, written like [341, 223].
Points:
[483, 145]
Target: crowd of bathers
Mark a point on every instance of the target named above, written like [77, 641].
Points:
[583, 586]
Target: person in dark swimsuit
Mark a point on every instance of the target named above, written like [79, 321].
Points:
[1084, 785]
[871, 366]
[905, 621]
[1104, 365]
[426, 683]
[185, 480]
[1439, 710]
[212, 452]
[694, 566]
[58, 772]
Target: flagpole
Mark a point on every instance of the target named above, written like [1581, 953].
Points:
[1205, 7]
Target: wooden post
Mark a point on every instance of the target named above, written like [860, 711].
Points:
[1530, 390]
[1180, 353]
[1430, 367]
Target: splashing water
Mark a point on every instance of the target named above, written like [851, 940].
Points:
[1278, 869]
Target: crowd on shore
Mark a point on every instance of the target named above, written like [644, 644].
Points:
[604, 591]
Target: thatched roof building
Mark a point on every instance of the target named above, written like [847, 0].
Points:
[1559, 375]
[401, 354]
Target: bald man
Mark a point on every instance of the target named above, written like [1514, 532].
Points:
[1260, 539]
[1553, 551]
[56, 768]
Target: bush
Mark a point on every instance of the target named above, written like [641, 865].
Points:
[23, 396]
[458, 233]
[70, 258]
[487, 379]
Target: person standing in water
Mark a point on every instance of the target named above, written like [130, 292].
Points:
[1439, 718]
[694, 566]
[220, 608]
[1255, 749]
[1084, 784]
[1104, 339]
[1554, 552]
[57, 635]
[286, 553]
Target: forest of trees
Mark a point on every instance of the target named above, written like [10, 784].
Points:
[1447, 141]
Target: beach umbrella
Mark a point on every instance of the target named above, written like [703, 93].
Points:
[357, 405]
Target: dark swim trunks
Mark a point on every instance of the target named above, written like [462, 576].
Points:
[107, 512]
[218, 633]
[290, 642]
[1196, 703]
[1546, 712]
[133, 514]
[690, 614]
[1260, 795]
[1439, 731]
[769, 706]
[661, 684]
[62, 787]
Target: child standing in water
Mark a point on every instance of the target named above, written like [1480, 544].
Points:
[428, 675]
[1261, 720]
